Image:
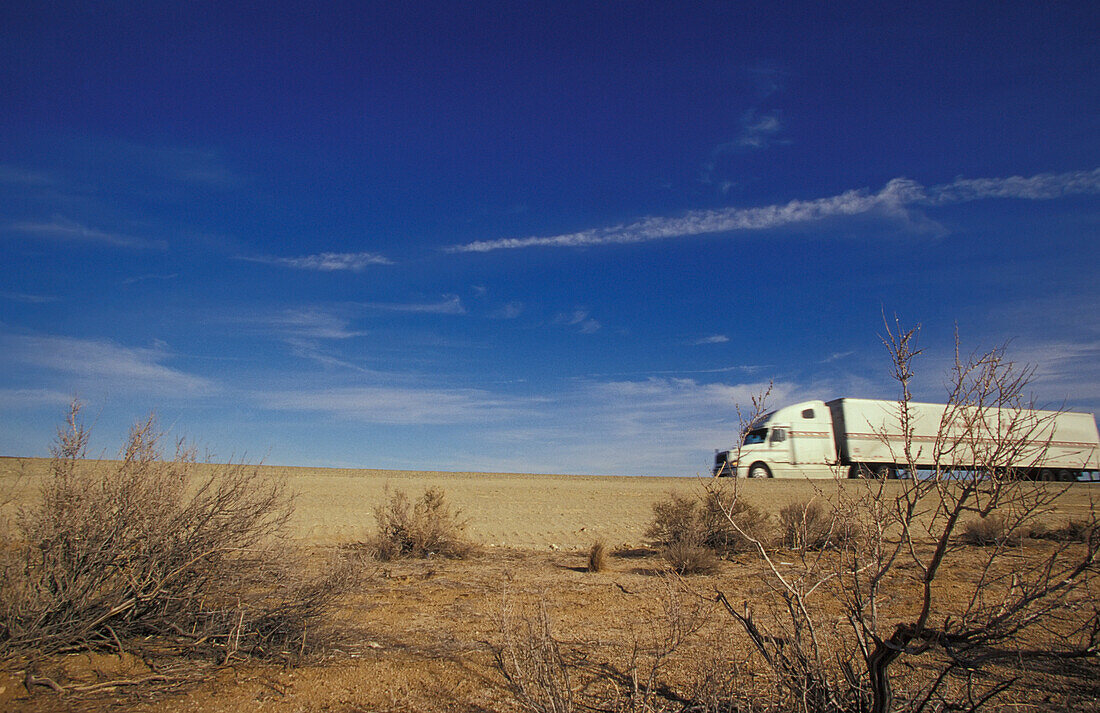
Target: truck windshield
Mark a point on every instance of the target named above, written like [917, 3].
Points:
[757, 435]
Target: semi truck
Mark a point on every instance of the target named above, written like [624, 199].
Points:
[859, 438]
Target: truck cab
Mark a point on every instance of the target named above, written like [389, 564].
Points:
[792, 442]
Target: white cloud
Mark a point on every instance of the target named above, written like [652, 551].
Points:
[102, 363]
[1065, 371]
[712, 339]
[655, 426]
[1043, 186]
[147, 164]
[390, 405]
[508, 311]
[894, 199]
[312, 350]
[28, 298]
[836, 356]
[145, 278]
[759, 131]
[62, 229]
[311, 323]
[579, 318]
[32, 398]
[326, 262]
[449, 305]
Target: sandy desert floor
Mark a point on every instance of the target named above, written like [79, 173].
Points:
[335, 506]
[417, 635]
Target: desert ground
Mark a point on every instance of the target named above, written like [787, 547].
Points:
[417, 635]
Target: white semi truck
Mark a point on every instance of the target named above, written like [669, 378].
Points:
[864, 438]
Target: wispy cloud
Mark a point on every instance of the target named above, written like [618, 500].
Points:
[836, 356]
[655, 426]
[580, 319]
[760, 130]
[145, 278]
[894, 199]
[64, 230]
[400, 405]
[1042, 186]
[28, 298]
[712, 339]
[310, 323]
[451, 304]
[308, 331]
[510, 310]
[32, 398]
[102, 363]
[325, 262]
[188, 166]
[313, 350]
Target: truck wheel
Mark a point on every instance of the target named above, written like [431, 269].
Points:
[1046, 474]
[857, 470]
[759, 470]
[1064, 476]
[882, 472]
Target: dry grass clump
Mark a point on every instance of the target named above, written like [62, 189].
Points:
[807, 525]
[144, 550]
[1072, 531]
[597, 557]
[692, 533]
[689, 558]
[428, 527]
[989, 530]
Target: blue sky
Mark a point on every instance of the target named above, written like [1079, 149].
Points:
[543, 237]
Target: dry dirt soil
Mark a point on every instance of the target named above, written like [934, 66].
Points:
[418, 635]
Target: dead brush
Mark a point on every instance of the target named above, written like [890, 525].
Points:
[536, 669]
[147, 550]
[425, 528]
[687, 558]
[597, 557]
[806, 525]
[989, 530]
[692, 533]
[1071, 531]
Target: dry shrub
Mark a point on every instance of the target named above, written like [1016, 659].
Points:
[548, 674]
[146, 548]
[425, 528]
[597, 557]
[534, 667]
[807, 525]
[989, 530]
[690, 558]
[1072, 531]
[717, 522]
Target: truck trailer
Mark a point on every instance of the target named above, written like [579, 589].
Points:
[859, 438]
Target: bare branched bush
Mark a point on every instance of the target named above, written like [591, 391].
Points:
[548, 674]
[1008, 608]
[425, 528]
[147, 547]
[597, 557]
[532, 662]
